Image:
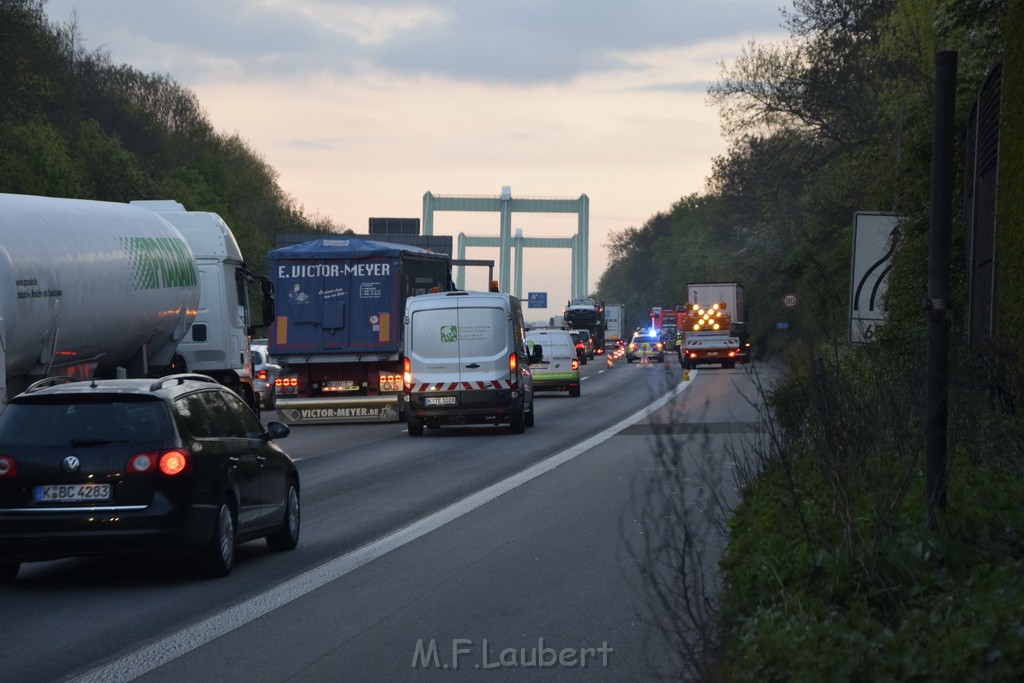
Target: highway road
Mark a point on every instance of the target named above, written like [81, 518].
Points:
[467, 553]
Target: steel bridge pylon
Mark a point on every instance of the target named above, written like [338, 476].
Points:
[506, 205]
[519, 244]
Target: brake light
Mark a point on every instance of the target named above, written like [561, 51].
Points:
[575, 364]
[513, 362]
[731, 354]
[175, 462]
[693, 354]
[171, 462]
[261, 375]
[407, 373]
[8, 466]
[658, 346]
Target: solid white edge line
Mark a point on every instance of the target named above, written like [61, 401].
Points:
[187, 639]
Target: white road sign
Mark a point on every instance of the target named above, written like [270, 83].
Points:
[873, 243]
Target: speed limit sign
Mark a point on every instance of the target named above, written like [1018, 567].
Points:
[789, 301]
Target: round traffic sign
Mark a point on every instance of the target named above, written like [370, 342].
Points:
[789, 301]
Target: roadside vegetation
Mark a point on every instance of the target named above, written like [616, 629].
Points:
[830, 572]
[75, 124]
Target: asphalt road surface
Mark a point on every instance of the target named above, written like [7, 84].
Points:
[468, 553]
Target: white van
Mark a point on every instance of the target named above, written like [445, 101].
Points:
[558, 368]
[466, 361]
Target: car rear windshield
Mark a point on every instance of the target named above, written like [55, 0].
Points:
[84, 420]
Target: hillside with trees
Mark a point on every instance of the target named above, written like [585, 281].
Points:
[831, 571]
[75, 124]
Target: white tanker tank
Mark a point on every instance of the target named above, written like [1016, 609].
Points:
[87, 287]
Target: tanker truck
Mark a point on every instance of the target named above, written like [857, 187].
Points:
[104, 289]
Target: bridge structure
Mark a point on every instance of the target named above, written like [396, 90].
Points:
[519, 243]
[505, 205]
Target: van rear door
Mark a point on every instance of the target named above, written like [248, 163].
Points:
[483, 344]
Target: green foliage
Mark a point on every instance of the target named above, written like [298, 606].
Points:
[35, 159]
[72, 124]
[829, 572]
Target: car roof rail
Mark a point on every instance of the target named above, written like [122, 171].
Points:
[180, 378]
[50, 382]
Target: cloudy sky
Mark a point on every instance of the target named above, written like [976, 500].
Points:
[362, 107]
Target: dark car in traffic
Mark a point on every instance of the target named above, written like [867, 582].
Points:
[172, 466]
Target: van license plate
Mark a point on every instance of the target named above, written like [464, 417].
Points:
[72, 493]
[439, 401]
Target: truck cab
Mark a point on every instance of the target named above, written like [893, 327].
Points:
[217, 344]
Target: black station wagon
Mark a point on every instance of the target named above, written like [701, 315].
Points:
[177, 465]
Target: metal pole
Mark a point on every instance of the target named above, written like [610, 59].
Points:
[936, 468]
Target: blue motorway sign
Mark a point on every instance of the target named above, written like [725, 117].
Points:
[537, 300]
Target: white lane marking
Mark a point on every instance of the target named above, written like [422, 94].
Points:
[191, 637]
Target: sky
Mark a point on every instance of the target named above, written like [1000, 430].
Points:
[362, 108]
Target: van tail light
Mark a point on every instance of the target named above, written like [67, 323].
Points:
[407, 373]
[170, 462]
[8, 466]
[575, 364]
[513, 362]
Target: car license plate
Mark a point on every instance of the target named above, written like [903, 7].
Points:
[439, 401]
[72, 493]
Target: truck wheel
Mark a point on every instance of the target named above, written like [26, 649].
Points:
[415, 426]
[729, 364]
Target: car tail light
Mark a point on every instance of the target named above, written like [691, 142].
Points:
[407, 373]
[170, 462]
[261, 375]
[8, 466]
[175, 462]
[658, 346]
[693, 354]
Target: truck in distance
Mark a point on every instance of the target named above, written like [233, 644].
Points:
[337, 330]
[586, 314]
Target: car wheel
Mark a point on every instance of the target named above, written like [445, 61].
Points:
[219, 557]
[574, 391]
[287, 537]
[415, 426]
[9, 570]
[530, 416]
